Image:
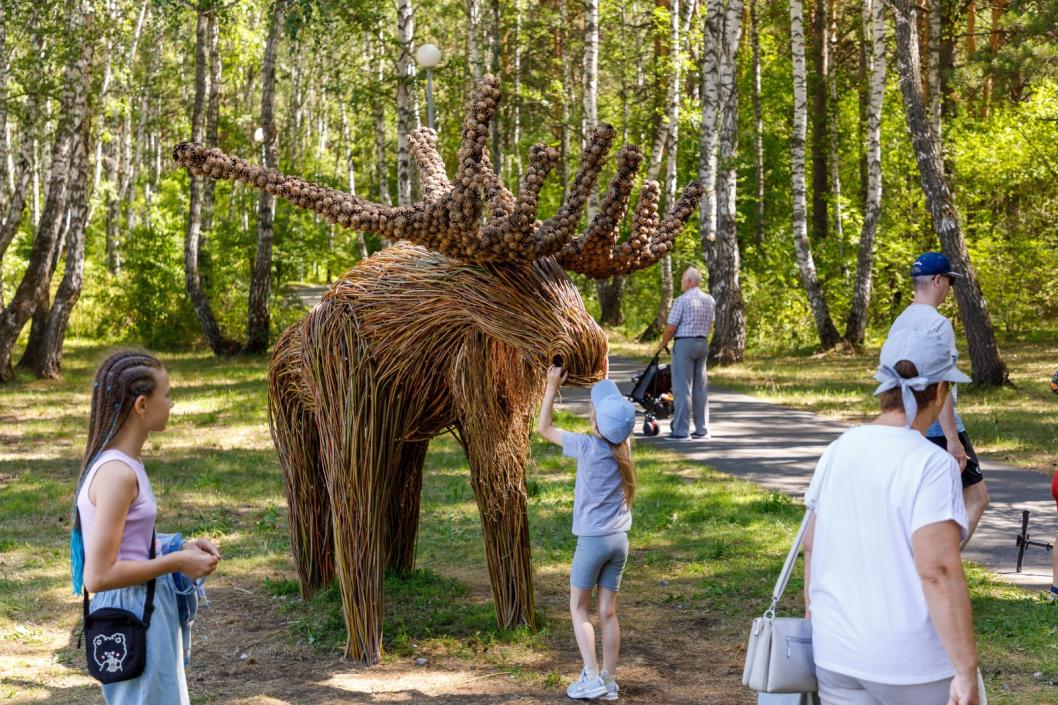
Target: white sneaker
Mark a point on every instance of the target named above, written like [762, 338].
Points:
[586, 689]
[612, 689]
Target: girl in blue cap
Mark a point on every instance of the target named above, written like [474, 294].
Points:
[602, 498]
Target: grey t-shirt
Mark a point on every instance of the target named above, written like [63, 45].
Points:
[599, 507]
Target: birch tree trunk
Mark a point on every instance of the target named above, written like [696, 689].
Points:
[407, 104]
[988, 367]
[495, 131]
[828, 334]
[711, 41]
[936, 97]
[729, 337]
[820, 175]
[258, 320]
[758, 128]
[667, 142]
[4, 146]
[47, 363]
[856, 324]
[212, 120]
[608, 290]
[192, 239]
[473, 48]
[36, 280]
[833, 145]
[563, 35]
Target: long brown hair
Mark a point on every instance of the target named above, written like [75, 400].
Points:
[622, 453]
[122, 378]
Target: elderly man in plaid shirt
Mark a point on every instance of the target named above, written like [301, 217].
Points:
[690, 320]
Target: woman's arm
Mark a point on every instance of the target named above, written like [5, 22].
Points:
[810, 535]
[555, 377]
[115, 488]
[939, 564]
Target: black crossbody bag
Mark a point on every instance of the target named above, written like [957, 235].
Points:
[116, 639]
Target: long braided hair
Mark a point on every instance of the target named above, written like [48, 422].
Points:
[122, 378]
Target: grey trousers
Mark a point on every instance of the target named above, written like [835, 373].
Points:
[689, 386]
[838, 689]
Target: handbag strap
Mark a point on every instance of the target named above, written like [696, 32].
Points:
[148, 604]
[791, 557]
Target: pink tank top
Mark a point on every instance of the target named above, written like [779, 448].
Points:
[139, 523]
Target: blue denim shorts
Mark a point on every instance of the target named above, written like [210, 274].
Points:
[599, 560]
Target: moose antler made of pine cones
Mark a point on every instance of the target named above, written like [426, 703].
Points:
[449, 220]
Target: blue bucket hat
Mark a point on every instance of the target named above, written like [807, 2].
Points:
[614, 415]
[930, 264]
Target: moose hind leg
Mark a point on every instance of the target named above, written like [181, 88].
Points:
[402, 515]
[296, 439]
[359, 426]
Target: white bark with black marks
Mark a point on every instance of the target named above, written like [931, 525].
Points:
[729, 337]
[988, 367]
[828, 334]
[407, 102]
[260, 286]
[856, 325]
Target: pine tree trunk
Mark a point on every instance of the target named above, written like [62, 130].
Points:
[48, 363]
[36, 280]
[729, 338]
[407, 104]
[856, 324]
[192, 239]
[758, 128]
[820, 176]
[988, 367]
[258, 319]
[828, 334]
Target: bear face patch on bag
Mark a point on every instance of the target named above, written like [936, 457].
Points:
[110, 652]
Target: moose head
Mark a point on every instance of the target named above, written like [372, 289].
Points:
[450, 329]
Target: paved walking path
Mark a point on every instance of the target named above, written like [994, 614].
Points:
[778, 447]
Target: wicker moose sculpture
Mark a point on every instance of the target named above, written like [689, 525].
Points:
[450, 329]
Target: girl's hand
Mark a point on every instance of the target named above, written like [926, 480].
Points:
[196, 563]
[556, 376]
[203, 544]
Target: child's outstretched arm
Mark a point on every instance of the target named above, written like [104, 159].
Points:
[555, 377]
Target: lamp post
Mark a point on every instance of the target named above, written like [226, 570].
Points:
[428, 56]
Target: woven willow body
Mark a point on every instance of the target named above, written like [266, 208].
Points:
[451, 333]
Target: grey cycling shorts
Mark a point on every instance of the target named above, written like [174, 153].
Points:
[599, 560]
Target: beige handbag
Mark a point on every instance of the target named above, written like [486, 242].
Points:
[779, 654]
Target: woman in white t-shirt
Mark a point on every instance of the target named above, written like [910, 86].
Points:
[884, 584]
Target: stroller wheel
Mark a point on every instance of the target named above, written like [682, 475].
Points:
[651, 428]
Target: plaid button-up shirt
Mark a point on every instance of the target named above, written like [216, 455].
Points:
[692, 313]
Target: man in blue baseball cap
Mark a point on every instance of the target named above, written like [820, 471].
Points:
[933, 275]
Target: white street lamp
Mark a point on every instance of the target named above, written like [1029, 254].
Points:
[429, 56]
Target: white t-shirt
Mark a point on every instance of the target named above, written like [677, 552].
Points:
[930, 321]
[869, 615]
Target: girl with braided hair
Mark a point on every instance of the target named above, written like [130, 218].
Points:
[113, 524]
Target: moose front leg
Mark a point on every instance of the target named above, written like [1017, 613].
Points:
[497, 453]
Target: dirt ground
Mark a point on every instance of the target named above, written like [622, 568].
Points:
[244, 654]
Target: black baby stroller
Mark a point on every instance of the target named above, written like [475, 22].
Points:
[652, 390]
